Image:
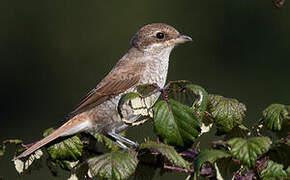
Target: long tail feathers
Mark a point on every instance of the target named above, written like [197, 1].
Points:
[71, 127]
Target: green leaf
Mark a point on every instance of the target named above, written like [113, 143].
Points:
[208, 156]
[125, 98]
[144, 171]
[133, 105]
[238, 131]
[272, 170]
[199, 105]
[109, 144]
[145, 89]
[274, 115]
[227, 167]
[117, 165]
[56, 166]
[189, 94]
[69, 149]
[178, 91]
[168, 151]
[175, 123]
[227, 112]
[279, 151]
[29, 163]
[8, 141]
[146, 168]
[247, 151]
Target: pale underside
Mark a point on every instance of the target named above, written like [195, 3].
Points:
[100, 106]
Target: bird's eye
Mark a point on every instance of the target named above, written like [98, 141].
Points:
[160, 35]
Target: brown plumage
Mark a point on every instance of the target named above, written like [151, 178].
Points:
[145, 62]
[121, 78]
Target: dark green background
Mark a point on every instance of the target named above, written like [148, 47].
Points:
[53, 52]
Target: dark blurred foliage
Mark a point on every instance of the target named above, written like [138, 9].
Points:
[53, 52]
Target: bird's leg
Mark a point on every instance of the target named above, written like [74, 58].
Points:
[119, 139]
[120, 144]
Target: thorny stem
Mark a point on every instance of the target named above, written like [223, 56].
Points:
[164, 93]
[261, 162]
[251, 173]
[179, 169]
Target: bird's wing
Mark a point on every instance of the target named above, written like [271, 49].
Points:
[117, 81]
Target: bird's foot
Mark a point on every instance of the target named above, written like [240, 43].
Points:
[120, 140]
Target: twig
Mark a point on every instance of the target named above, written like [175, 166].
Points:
[179, 169]
[190, 153]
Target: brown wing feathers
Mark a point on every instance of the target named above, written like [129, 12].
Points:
[112, 85]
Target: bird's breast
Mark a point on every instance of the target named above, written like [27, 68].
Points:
[105, 116]
[155, 71]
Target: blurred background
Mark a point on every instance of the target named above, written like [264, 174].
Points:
[53, 52]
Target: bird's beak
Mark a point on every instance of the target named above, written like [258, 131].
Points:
[182, 39]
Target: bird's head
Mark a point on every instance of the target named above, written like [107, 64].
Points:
[158, 37]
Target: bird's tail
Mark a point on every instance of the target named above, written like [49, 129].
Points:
[72, 126]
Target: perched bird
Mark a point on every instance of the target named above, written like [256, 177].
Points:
[146, 62]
